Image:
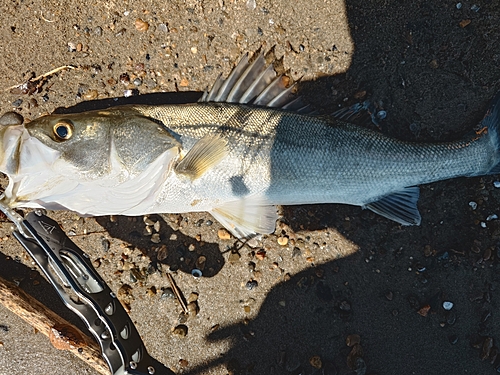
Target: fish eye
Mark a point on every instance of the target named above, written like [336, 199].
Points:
[63, 130]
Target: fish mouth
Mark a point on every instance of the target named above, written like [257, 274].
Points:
[10, 147]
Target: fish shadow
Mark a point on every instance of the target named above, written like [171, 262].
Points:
[172, 249]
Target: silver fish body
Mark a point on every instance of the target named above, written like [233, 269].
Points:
[233, 159]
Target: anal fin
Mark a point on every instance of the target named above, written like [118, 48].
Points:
[400, 206]
[206, 153]
[247, 217]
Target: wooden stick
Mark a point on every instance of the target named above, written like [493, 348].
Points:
[178, 294]
[62, 334]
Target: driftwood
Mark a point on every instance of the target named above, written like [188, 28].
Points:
[62, 334]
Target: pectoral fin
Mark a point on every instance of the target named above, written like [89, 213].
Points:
[247, 217]
[400, 206]
[206, 153]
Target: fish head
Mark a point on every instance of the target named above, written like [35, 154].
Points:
[57, 161]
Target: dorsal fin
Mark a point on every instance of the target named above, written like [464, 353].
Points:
[256, 83]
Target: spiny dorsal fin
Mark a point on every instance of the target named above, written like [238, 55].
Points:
[400, 206]
[206, 153]
[259, 84]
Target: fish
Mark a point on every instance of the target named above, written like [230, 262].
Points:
[248, 145]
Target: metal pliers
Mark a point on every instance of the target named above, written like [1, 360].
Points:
[71, 273]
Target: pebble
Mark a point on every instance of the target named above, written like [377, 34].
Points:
[90, 95]
[223, 234]
[148, 221]
[141, 25]
[486, 348]
[283, 241]
[193, 308]
[260, 255]
[356, 352]
[156, 226]
[181, 330]
[352, 340]
[316, 362]
[98, 31]
[167, 293]
[252, 284]
[163, 28]
[459, 5]
[155, 238]
[200, 262]
[496, 184]
[473, 205]
[389, 295]
[137, 81]
[234, 257]
[17, 103]
[492, 217]
[447, 305]
[162, 253]
[453, 339]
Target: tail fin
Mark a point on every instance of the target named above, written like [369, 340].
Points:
[491, 122]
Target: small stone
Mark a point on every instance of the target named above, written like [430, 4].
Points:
[191, 247]
[98, 31]
[141, 25]
[234, 257]
[90, 95]
[447, 305]
[200, 262]
[155, 238]
[137, 81]
[71, 47]
[453, 339]
[260, 255]
[464, 23]
[167, 293]
[194, 50]
[283, 241]
[352, 340]
[193, 308]
[184, 82]
[181, 330]
[496, 184]
[247, 309]
[424, 310]
[315, 361]
[96, 263]
[356, 352]
[183, 363]
[252, 284]
[473, 205]
[486, 348]
[162, 253]
[389, 295]
[17, 103]
[223, 234]
[296, 252]
[156, 226]
[193, 297]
